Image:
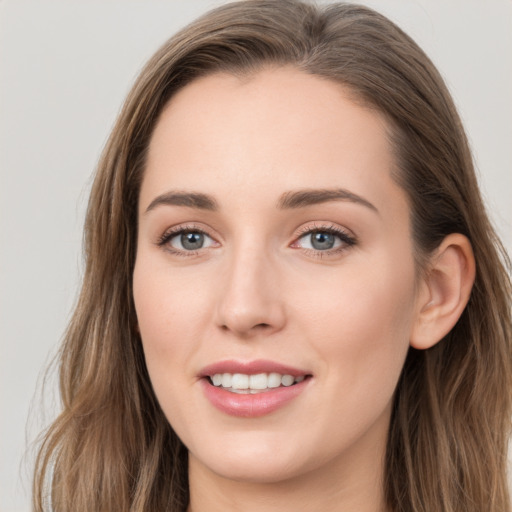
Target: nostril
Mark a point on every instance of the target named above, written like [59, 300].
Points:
[246, 332]
[225, 327]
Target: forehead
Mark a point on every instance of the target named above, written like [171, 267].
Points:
[278, 129]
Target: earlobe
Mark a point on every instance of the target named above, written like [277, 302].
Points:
[444, 291]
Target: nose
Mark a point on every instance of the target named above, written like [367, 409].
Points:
[251, 301]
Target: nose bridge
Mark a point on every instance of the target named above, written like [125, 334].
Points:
[251, 299]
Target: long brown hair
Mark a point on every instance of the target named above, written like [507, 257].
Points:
[112, 449]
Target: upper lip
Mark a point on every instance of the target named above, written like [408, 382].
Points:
[251, 368]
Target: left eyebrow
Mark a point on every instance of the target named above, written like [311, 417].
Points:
[308, 197]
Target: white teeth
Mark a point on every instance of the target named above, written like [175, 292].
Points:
[274, 380]
[226, 380]
[242, 383]
[258, 381]
[287, 380]
[217, 379]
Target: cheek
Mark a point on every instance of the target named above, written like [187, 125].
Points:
[168, 318]
[166, 302]
[360, 325]
[359, 299]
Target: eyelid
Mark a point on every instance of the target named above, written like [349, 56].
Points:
[173, 231]
[347, 238]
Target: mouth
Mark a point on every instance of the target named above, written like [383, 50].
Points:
[243, 383]
[252, 389]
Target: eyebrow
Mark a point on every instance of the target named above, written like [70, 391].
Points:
[188, 199]
[308, 197]
[288, 200]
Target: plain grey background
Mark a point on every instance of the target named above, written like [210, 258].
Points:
[65, 67]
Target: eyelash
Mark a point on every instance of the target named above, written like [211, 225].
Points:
[164, 240]
[346, 239]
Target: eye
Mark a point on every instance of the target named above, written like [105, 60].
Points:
[190, 240]
[320, 241]
[186, 240]
[327, 240]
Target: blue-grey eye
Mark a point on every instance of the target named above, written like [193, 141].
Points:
[190, 241]
[321, 240]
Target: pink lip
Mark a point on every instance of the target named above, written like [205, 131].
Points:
[251, 405]
[250, 368]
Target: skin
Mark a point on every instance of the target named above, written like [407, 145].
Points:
[258, 290]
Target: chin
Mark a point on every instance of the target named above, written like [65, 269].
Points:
[258, 471]
[253, 458]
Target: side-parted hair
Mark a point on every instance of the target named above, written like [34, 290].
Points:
[112, 449]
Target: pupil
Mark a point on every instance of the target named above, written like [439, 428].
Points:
[192, 241]
[322, 241]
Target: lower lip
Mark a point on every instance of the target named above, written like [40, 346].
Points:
[249, 405]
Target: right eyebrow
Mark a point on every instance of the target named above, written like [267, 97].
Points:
[188, 199]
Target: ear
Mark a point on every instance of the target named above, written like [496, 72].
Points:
[444, 291]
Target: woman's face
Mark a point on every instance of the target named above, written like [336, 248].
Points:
[275, 246]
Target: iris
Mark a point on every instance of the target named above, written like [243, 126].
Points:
[192, 241]
[321, 240]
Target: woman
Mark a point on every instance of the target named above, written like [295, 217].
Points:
[293, 297]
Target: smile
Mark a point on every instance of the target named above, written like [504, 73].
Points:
[252, 389]
[253, 384]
